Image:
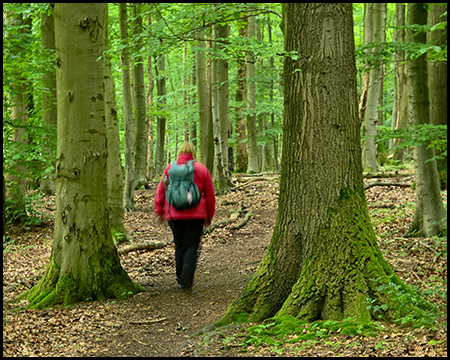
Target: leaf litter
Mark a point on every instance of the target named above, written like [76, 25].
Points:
[163, 321]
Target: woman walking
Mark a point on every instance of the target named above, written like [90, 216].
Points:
[187, 224]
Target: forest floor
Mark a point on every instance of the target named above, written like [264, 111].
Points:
[164, 321]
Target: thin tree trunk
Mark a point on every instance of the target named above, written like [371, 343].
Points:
[114, 175]
[161, 119]
[241, 148]
[150, 162]
[49, 109]
[141, 125]
[128, 195]
[252, 132]
[369, 152]
[202, 96]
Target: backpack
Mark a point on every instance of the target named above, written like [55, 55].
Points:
[182, 192]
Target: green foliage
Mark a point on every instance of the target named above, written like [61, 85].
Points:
[424, 134]
[411, 309]
[287, 329]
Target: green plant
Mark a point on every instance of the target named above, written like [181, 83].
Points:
[413, 310]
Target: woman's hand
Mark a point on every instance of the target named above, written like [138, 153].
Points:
[159, 219]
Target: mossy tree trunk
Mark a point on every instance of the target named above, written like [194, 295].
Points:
[84, 263]
[323, 261]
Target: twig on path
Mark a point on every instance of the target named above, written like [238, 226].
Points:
[147, 245]
[386, 183]
[146, 322]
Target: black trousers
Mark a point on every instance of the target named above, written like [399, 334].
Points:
[186, 236]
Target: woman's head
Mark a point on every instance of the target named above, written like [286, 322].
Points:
[189, 148]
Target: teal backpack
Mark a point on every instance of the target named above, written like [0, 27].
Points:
[182, 192]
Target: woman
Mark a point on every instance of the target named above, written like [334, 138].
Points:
[187, 225]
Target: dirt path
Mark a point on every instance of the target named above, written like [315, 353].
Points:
[160, 321]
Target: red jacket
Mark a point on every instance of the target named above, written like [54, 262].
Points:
[205, 209]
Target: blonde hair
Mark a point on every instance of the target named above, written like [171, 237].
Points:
[189, 148]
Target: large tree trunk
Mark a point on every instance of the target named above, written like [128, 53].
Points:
[252, 132]
[141, 125]
[437, 81]
[323, 256]
[84, 263]
[128, 195]
[430, 217]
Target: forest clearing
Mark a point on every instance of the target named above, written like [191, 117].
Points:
[164, 321]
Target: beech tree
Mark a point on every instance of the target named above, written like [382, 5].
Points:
[376, 14]
[128, 194]
[323, 261]
[84, 263]
[430, 217]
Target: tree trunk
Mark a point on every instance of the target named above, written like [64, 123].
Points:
[19, 117]
[437, 80]
[84, 263]
[114, 175]
[161, 90]
[141, 125]
[252, 132]
[272, 115]
[241, 148]
[323, 256]
[219, 107]
[49, 113]
[202, 95]
[369, 152]
[150, 162]
[430, 218]
[402, 104]
[128, 195]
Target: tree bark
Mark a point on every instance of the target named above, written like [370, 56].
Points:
[161, 90]
[114, 176]
[141, 125]
[323, 256]
[84, 263]
[437, 81]
[49, 112]
[430, 218]
[252, 132]
[241, 148]
[369, 152]
[202, 94]
[128, 195]
[399, 57]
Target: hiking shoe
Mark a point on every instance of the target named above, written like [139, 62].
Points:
[187, 274]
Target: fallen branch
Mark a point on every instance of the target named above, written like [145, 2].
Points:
[147, 245]
[234, 216]
[387, 174]
[146, 322]
[386, 183]
[243, 222]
